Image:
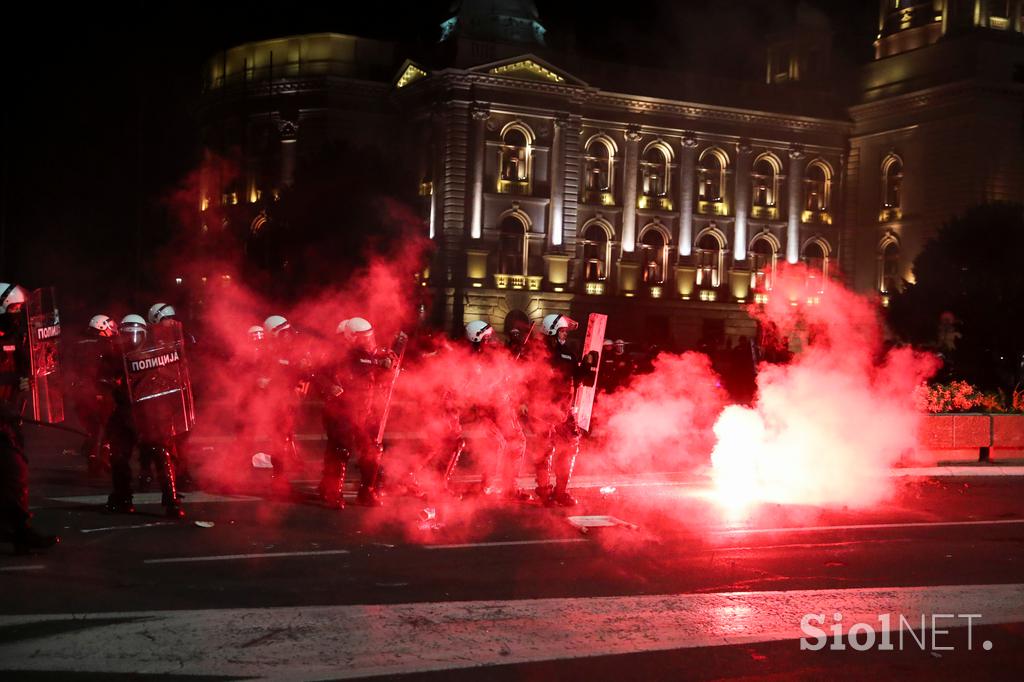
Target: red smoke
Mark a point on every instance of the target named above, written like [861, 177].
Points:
[825, 428]
[661, 421]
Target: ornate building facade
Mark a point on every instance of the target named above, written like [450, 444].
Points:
[554, 184]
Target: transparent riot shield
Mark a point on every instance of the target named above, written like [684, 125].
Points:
[44, 356]
[159, 384]
[583, 401]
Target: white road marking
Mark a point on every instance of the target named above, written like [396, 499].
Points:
[154, 498]
[866, 526]
[508, 543]
[32, 567]
[137, 525]
[234, 557]
[979, 470]
[337, 642]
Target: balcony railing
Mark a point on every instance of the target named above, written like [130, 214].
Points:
[764, 212]
[658, 203]
[530, 282]
[603, 197]
[823, 217]
[712, 208]
[426, 189]
[890, 213]
[521, 187]
[594, 288]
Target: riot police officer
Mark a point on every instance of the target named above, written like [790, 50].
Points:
[124, 436]
[14, 381]
[563, 434]
[499, 417]
[355, 419]
[93, 399]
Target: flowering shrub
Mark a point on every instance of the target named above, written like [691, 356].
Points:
[1018, 401]
[960, 396]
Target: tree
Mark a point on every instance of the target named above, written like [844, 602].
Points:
[971, 269]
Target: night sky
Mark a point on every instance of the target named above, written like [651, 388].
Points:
[100, 98]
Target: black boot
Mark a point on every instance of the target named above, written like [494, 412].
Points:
[562, 498]
[171, 500]
[368, 497]
[370, 479]
[120, 504]
[27, 540]
[334, 497]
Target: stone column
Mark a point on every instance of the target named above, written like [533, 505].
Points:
[479, 113]
[629, 172]
[742, 200]
[556, 207]
[289, 131]
[794, 181]
[687, 169]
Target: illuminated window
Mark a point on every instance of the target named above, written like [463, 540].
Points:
[515, 154]
[512, 247]
[818, 187]
[815, 257]
[655, 170]
[654, 253]
[889, 266]
[596, 253]
[892, 188]
[709, 260]
[712, 169]
[600, 164]
[763, 258]
[998, 13]
[764, 186]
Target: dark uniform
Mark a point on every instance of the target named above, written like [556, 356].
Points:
[352, 419]
[123, 438]
[501, 421]
[288, 371]
[14, 373]
[562, 433]
[93, 398]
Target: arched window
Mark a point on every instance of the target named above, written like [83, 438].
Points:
[654, 251]
[600, 164]
[655, 171]
[815, 257]
[817, 188]
[889, 280]
[763, 256]
[596, 253]
[712, 168]
[892, 188]
[709, 260]
[512, 246]
[764, 181]
[516, 141]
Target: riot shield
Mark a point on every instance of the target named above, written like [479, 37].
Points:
[159, 384]
[398, 348]
[583, 401]
[44, 356]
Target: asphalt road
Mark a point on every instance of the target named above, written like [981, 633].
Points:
[495, 590]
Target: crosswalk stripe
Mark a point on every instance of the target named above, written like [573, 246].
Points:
[338, 642]
[235, 557]
[155, 498]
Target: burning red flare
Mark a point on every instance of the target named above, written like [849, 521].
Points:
[825, 428]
